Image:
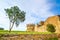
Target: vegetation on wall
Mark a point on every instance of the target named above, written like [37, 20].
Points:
[51, 28]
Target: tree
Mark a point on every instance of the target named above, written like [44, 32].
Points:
[51, 28]
[15, 16]
[1, 28]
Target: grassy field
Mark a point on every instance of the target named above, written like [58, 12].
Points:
[22, 32]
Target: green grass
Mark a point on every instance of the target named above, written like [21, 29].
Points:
[22, 32]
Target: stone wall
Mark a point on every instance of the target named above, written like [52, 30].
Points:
[30, 27]
[27, 37]
[41, 27]
[54, 20]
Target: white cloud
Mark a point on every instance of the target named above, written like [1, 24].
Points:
[42, 8]
[39, 8]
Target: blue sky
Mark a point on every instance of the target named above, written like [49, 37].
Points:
[36, 10]
[56, 7]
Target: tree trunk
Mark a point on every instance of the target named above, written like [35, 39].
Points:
[11, 26]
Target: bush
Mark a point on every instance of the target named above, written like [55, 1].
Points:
[50, 28]
[1, 28]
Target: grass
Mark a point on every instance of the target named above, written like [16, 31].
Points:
[22, 32]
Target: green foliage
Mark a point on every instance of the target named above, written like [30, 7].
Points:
[1, 28]
[15, 16]
[50, 28]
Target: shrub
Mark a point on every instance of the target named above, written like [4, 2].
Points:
[51, 28]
